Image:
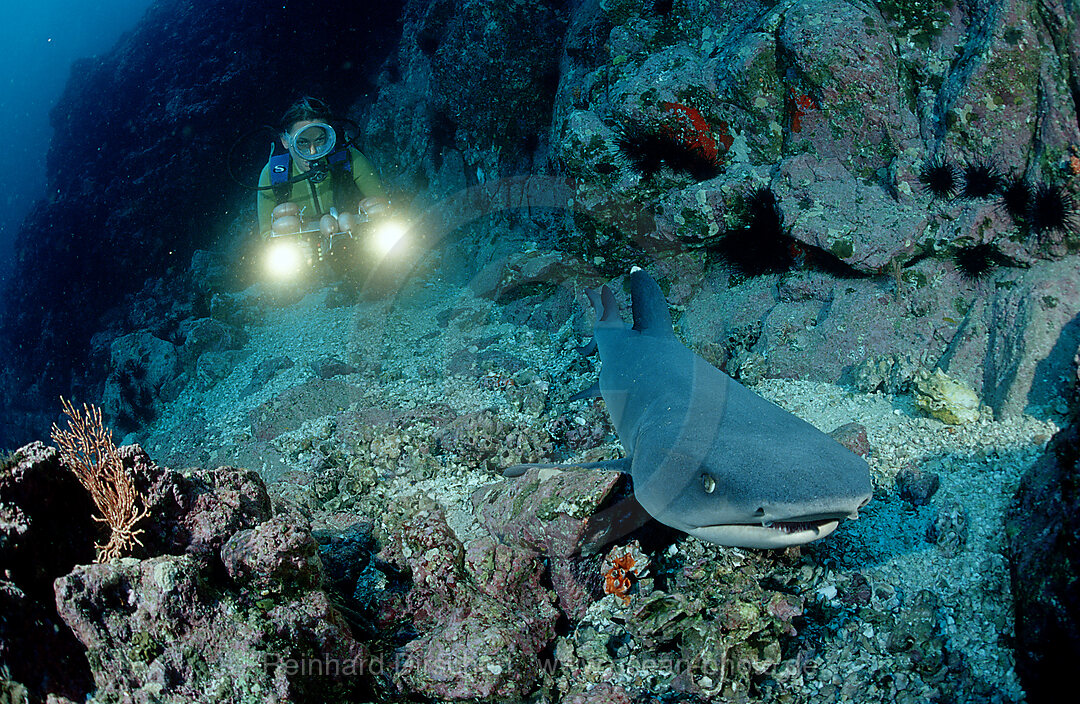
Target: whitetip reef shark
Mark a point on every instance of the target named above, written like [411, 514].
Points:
[706, 455]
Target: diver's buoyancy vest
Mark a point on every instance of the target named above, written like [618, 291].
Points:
[347, 195]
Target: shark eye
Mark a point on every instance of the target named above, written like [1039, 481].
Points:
[708, 483]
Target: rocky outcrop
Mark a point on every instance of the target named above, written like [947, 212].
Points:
[1045, 550]
[838, 109]
[45, 531]
[221, 597]
[179, 637]
[482, 613]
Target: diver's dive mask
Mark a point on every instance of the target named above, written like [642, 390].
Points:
[312, 142]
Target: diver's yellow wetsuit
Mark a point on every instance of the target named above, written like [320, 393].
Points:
[363, 175]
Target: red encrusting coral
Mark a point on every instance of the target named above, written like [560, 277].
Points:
[798, 105]
[676, 136]
[617, 578]
[686, 126]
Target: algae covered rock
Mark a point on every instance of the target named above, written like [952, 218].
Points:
[1044, 552]
[177, 637]
[275, 555]
[481, 616]
[947, 399]
[553, 511]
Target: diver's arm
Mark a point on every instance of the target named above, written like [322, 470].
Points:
[265, 201]
[371, 189]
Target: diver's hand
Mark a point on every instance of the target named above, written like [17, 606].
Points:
[374, 207]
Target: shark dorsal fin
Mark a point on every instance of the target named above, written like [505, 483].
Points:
[651, 315]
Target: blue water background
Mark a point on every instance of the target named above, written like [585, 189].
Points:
[38, 43]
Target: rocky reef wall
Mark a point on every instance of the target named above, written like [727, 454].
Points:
[668, 119]
[773, 162]
[840, 111]
[138, 172]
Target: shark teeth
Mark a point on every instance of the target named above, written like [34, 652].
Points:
[793, 526]
[798, 527]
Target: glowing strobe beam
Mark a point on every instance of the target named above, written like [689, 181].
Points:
[386, 236]
[284, 260]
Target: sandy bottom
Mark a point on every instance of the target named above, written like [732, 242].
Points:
[403, 345]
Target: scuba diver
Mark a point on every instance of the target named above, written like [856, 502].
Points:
[320, 193]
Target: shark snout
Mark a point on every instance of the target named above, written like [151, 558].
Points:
[809, 511]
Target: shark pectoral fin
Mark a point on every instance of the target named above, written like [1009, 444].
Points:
[620, 465]
[591, 392]
[588, 349]
[518, 469]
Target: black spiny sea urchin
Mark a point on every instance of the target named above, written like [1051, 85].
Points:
[762, 245]
[1053, 209]
[641, 148]
[649, 149]
[1016, 197]
[977, 261]
[982, 179]
[941, 178]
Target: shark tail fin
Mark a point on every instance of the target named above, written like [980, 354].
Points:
[611, 307]
[597, 304]
[651, 315]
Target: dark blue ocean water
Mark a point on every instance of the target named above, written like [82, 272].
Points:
[38, 43]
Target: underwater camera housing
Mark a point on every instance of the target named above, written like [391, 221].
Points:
[296, 246]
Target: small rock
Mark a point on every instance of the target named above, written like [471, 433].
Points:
[949, 530]
[947, 399]
[853, 437]
[551, 511]
[857, 592]
[916, 486]
[276, 554]
[601, 694]
[265, 371]
[329, 367]
[483, 615]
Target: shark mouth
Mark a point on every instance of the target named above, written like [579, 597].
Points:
[780, 534]
[798, 526]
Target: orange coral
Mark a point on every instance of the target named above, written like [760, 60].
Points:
[87, 449]
[1074, 165]
[617, 578]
